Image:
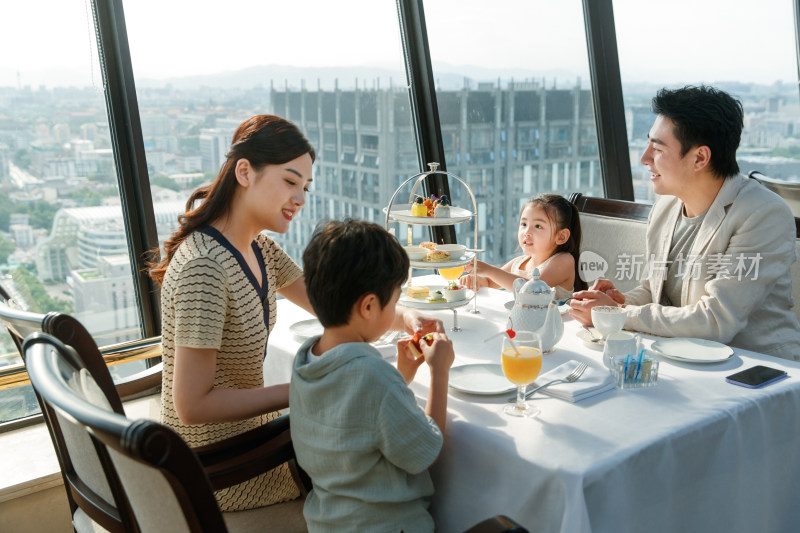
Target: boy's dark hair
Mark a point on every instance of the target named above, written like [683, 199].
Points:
[347, 260]
[705, 116]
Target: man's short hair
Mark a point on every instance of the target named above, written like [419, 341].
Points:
[705, 116]
[347, 260]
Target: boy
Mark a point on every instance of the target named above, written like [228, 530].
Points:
[356, 427]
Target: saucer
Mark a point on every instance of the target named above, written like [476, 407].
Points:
[691, 350]
[561, 308]
[587, 340]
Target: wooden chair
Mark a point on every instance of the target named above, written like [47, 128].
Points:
[92, 484]
[166, 484]
[610, 208]
[614, 230]
[94, 493]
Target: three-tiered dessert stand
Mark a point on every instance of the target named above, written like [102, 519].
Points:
[402, 213]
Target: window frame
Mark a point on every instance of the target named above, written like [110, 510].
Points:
[134, 181]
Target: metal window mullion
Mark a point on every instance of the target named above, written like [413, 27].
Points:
[424, 108]
[796, 10]
[131, 163]
[609, 109]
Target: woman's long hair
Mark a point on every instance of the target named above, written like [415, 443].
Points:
[262, 140]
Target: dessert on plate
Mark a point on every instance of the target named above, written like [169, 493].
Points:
[442, 209]
[436, 297]
[437, 256]
[417, 291]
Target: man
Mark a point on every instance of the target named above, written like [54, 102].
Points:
[719, 245]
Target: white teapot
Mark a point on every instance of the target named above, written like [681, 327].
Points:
[535, 310]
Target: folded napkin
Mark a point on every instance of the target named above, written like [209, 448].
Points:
[387, 351]
[593, 381]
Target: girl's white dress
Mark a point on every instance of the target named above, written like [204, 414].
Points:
[516, 269]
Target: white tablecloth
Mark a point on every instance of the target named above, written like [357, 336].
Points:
[693, 453]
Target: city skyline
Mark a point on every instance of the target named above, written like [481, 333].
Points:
[162, 49]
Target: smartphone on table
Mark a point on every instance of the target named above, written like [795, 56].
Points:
[757, 376]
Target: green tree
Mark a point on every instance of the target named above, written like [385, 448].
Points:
[6, 208]
[41, 214]
[6, 248]
[22, 159]
[34, 293]
[167, 183]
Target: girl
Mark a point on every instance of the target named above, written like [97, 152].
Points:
[219, 278]
[550, 238]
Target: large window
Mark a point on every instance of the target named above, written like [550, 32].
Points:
[200, 72]
[63, 244]
[514, 98]
[748, 51]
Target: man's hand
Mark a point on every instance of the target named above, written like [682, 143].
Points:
[602, 292]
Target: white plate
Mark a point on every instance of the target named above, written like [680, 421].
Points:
[587, 340]
[463, 260]
[305, 329]
[480, 379]
[561, 308]
[402, 213]
[691, 350]
[423, 303]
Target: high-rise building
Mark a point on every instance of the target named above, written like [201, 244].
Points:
[81, 236]
[214, 143]
[507, 144]
[104, 299]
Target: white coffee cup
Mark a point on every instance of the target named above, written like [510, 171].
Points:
[619, 345]
[608, 319]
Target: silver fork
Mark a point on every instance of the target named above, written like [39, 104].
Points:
[571, 378]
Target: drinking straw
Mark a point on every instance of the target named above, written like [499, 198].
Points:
[627, 362]
[510, 332]
[638, 364]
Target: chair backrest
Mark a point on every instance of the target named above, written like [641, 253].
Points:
[618, 226]
[166, 485]
[790, 192]
[615, 230]
[93, 489]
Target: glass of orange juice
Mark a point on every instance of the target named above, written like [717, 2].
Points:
[451, 274]
[522, 362]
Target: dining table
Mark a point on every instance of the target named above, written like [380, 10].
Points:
[693, 453]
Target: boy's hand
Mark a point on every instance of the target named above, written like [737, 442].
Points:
[414, 322]
[407, 363]
[439, 354]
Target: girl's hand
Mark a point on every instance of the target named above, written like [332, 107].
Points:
[480, 267]
[467, 281]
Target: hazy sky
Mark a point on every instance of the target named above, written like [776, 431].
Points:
[662, 42]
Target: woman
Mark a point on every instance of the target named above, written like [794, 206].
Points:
[218, 282]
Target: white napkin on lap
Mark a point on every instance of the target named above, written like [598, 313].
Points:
[593, 381]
